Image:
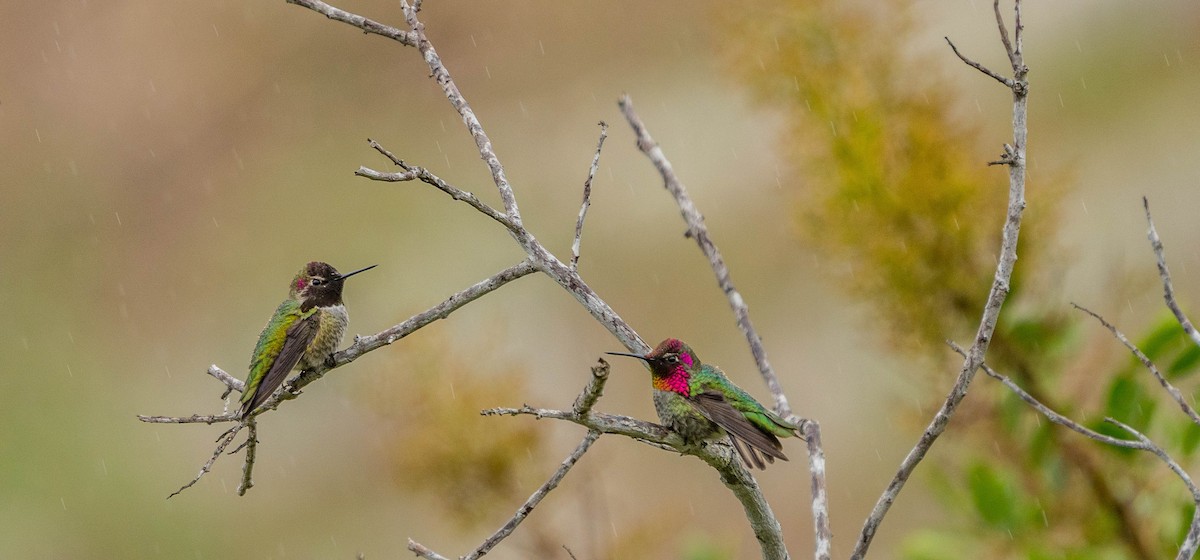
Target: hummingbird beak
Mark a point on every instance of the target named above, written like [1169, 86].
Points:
[349, 274]
[638, 356]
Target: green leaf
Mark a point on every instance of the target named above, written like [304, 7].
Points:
[1129, 402]
[1185, 364]
[1190, 438]
[1166, 333]
[992, 496]
[938, 545]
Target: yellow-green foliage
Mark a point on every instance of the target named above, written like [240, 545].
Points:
[894, 194]
[895, 191]
[437, 441]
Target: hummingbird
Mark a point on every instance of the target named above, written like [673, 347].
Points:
[302, 334]
[697, 401]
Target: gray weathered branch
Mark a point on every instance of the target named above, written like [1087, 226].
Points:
[1175, 393]
[1165, 275]
[996, 296]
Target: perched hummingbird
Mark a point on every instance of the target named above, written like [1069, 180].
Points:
[698, 402]
[302, 334]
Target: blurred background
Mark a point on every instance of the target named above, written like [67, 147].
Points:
[167, 168]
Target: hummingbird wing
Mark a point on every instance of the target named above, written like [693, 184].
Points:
[299, 335]
[743, 433]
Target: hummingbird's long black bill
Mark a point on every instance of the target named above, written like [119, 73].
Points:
[638, 356]
[349, 274]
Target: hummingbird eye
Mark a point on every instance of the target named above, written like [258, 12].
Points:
[673, 358]
[317, 281]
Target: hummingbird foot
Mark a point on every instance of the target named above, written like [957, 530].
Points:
[330, 361]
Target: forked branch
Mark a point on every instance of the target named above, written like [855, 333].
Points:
[973, 357]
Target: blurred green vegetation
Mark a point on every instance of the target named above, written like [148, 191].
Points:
[898, 199]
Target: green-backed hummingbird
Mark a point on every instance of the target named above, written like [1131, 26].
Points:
[302, 334]
[697, 401]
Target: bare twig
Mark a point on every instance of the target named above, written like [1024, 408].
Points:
[1008, 82]
[1168, 287]
[248, 466]
[587, 197]
[423, 552]
[225, 439]
[587, 399]
[407, 38]
[482, 142]
[719, 456]
[231, 382]
[193, 419]
[699, 232]
[537, 496]
[412, 172]
[991, 311]
[1145, 360]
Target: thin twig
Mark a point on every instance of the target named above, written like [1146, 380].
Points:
[474, 127]
[991, 311]
[412, 172]
[248, 467]
[233, 383]
[407, 38]
[1046, 411]
[1006, 81]
[193, 419]
[699, 232]
[423, 552]
[536, 497]
[1008, 48]
[591, 393]
[1145, 360]
[587, 197]
[1168, 287]
[228, 437]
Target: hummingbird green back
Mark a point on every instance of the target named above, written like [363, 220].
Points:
[699, 402]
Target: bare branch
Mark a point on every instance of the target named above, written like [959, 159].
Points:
[1008, 48]
[482, 142]
[1168, 287]
[406, 38]
[1145, 360]
[1046, 411]
[193, 419]
[591, 393]
[248, 467]
[587, 197]
[233, 383]
[364, 344]
[536, 498]
[719, 456]
[1006, 81]
[225, 439]
[420, 550]
[820, 498]
[415, 172]
[699, 232]
[991, 311]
